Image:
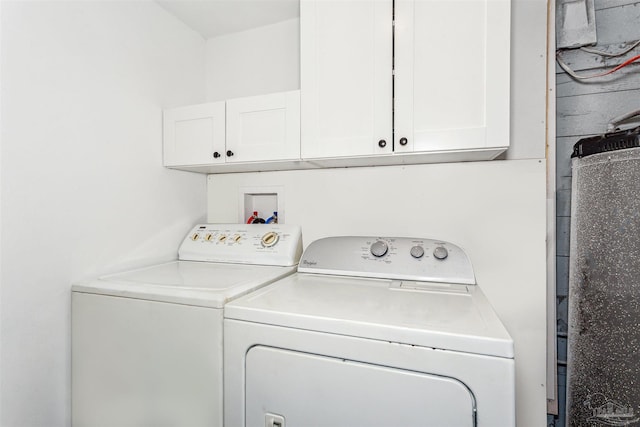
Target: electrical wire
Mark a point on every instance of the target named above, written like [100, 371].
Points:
[612, 126]
[569, 71]
[573, 74]
[609, 54]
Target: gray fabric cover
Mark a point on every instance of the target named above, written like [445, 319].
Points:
[603, 372]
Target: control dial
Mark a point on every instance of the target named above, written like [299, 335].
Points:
[417, 251]
[440, 252]
[379, 248]
[270, 239]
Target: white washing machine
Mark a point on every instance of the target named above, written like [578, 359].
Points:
[147, 344]
[369, 332]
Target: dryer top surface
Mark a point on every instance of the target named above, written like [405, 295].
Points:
[439, 315]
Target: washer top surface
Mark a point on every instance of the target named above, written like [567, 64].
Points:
[453, 315]
[204, 284]
[217, 263]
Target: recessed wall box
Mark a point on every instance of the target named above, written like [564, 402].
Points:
[575, 23]
[265, 200]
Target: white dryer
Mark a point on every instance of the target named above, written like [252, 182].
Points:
[147, 344]
[369, 332]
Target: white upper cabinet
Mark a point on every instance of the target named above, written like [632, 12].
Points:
[382, 82]
[263, 128]
[452, 75]
[243, 131]
[194, 134]
[346, 82]
[437, 79]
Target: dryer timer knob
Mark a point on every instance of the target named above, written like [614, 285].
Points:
[379, 248]
[417, 251]
[440, 253]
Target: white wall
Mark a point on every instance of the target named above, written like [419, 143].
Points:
[255, 62]
[528, 79]
[1, 134]
[83, 187]
[494, 210]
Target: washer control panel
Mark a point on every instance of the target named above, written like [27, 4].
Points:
[418, 259]
[263, 244]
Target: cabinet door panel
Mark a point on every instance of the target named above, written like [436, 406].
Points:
[346, 81]
[452, 74]
[264, 127]
[192, 134]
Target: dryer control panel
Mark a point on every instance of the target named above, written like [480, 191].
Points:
[262, 244]
[401, 258]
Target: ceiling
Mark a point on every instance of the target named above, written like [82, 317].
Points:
[212, 18]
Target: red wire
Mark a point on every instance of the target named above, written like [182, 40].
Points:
[624, 64]
[613, 70]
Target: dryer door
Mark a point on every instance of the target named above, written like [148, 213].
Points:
[293, 389]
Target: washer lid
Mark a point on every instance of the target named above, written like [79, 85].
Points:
[438, 315]
[204, 284]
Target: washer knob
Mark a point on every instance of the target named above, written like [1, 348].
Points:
[270, 239]
[379, 248]
[417, 251]
[440, 252]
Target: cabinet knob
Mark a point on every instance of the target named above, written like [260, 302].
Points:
[229, 153]
[382, 143]
[216, 154]
[403, 141]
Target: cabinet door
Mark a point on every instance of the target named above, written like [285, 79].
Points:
[262, 128]
[193, 134]
[346, 77]
[451, 74]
